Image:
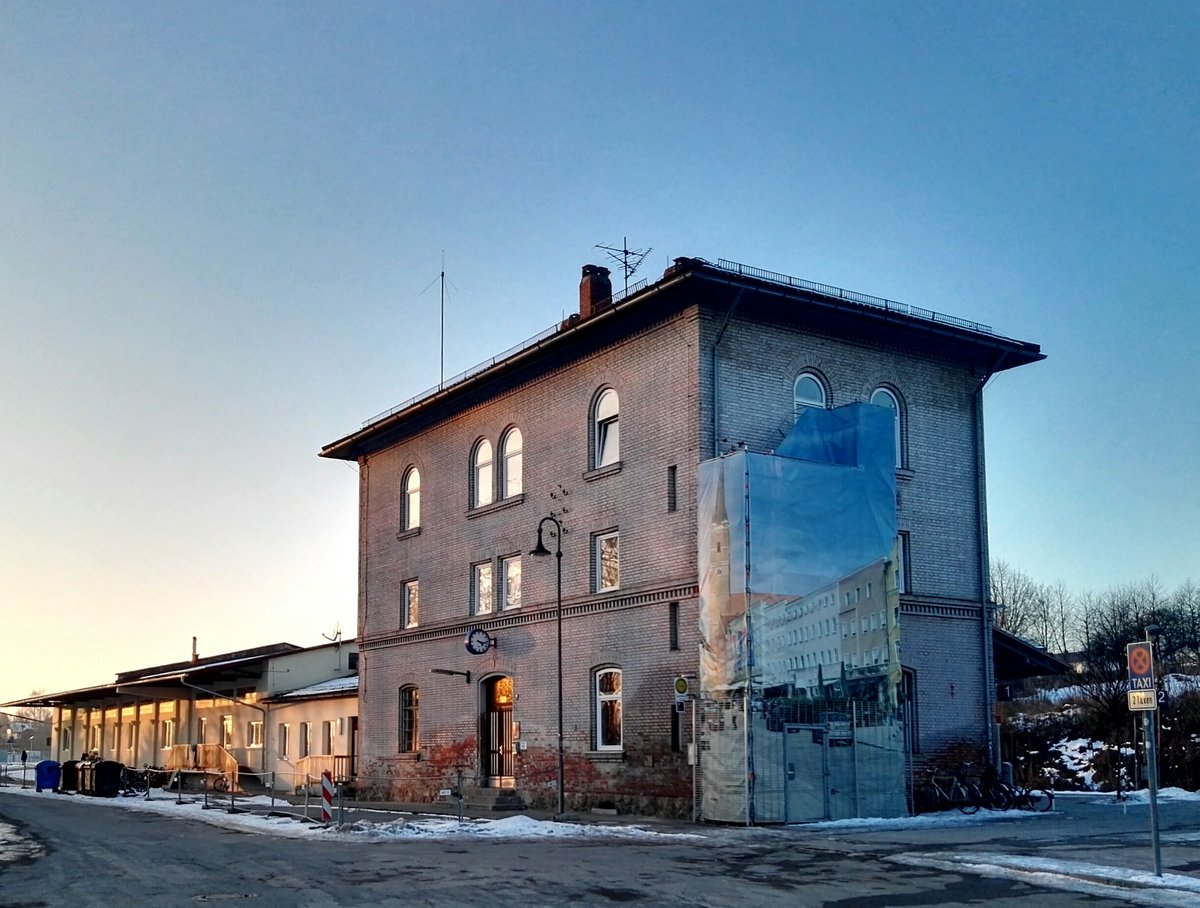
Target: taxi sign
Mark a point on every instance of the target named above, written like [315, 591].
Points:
[1143, 699]
[1139, 658]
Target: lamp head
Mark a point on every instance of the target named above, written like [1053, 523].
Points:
[540, 549]
[1153, 631]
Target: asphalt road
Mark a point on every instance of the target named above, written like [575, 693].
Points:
[124, 858]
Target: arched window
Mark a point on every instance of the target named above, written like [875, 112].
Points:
[409, 715]
[608, 709]
[607, 429]
[885, 397]
[410, 516]
[481, 474]
[510, 463]
[808, 391]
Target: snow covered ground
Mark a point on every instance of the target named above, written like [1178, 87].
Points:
[381, 827]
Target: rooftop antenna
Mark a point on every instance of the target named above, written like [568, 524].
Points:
[442, 336]
[628, 259]
[337, 634]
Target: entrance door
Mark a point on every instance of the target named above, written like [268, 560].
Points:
[496, 742]
[819, 772]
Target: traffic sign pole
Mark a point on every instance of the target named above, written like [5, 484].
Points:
[1152, 775]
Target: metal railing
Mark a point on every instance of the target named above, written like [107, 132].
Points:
[865, 299]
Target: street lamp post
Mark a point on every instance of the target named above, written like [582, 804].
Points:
[540, 550]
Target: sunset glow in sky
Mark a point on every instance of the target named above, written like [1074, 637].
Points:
[220, 223]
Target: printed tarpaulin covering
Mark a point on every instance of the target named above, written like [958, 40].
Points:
[799, 618]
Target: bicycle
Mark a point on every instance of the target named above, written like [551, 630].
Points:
[931, 796]
[1033, 799]
[134, 782]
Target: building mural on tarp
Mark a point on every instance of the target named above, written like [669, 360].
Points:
[799, 625]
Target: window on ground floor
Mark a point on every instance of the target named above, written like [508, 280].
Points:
[608, 709]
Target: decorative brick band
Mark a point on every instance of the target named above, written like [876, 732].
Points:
[520, 617]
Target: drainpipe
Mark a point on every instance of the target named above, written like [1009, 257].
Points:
[262, 709]
[716, 384]
[985, 622]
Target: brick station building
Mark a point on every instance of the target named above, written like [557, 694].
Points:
[601, 423]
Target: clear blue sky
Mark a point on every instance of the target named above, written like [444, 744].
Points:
[217, 222]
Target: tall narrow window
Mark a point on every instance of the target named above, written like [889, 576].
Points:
[409, 714]
[411, 518]
[885, 397]
[411, 607]
[481, 588]
[510, 578]
[608, 709]
[808, 391]
[608, 429]
[607, 561]
[226, 731]
[167, 733]
[903, 562]
[285, 739]
[481, 474]
[202, 730]
[305, 742]
[672, 502]
[327, 738]
[673, 626]
[254, 734]
[510, 463]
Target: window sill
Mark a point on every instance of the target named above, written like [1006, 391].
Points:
[409, 534]
[601, 472]
[500, 505]
[904, 473]
[606, 756]
[409, 756]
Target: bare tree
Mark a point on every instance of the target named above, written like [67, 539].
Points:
[34, 713]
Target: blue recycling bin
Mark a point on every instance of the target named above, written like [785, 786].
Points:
[47, 774]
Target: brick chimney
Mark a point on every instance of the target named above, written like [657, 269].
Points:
[594, 289]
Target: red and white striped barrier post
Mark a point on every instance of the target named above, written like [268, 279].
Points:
[326, 797]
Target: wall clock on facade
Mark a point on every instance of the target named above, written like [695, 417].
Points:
[479, 641]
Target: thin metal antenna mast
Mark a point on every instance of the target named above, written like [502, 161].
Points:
[628, 259]
[442, 313]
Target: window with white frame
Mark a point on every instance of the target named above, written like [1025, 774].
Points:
[254, 733]
[481, 588]
[305, 741]
[166, 733]
[607, 561]
[202, 730]
[411, 606]
[807, 391]
[409, 718]
[606, 420]
[285, 739]
[481, 474]
[510, 463]
[327, 738]
[510, 580]
[410, 517]
[608, 709]
[886, 397]
[226, 731]
[64, 741]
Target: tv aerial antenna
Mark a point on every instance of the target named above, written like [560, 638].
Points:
[628, 259]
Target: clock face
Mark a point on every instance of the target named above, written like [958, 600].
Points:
[479, 641]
